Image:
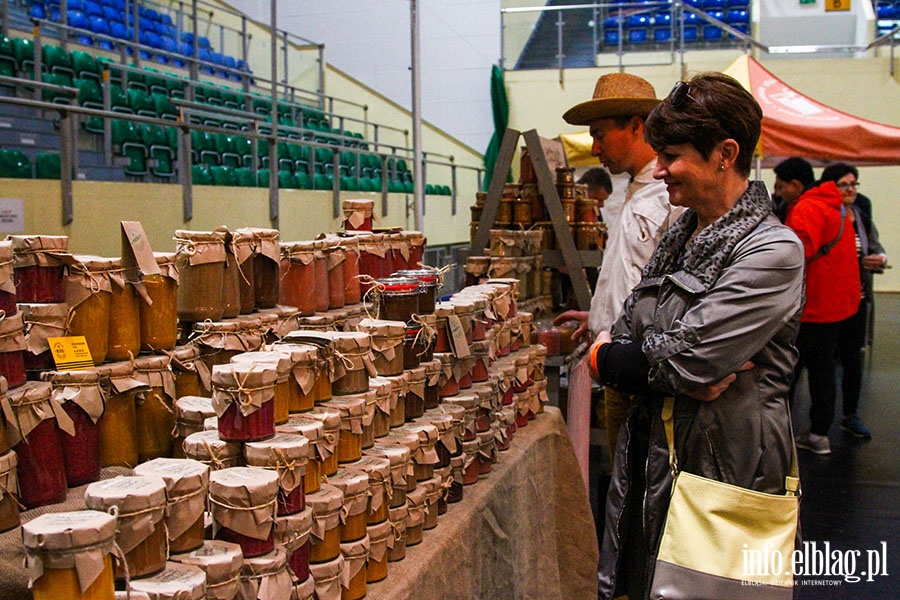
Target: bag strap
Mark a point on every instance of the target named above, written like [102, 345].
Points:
[827, 247]
[791, 482]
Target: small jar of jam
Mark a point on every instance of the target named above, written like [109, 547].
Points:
[399, 389]
[221, 561]
[81, 397]
[175, 580]
[433, 492]
[417, 241]
[40, 322]
[328, 576]
[458, 470]
[387, 344]
[425, 456]
[355, 554]
[50, 541]
[317, 448]
[39, 267]
[415, 502]
[35, 438]
[187, 486]
[433, 372]
[399, 457]
[331, 423]
[9, 484]
[352, 290]
[292, 535]
[410, 440]
[476, 270]
[267, 574]
[398, 298]
[470, 405]
[298, 276]
[335, 257]
[358, 214]
[287, 455]
[446, 445]
[399, 518]
[159, 320]
[191, 373]
[429, 287]
[141, 505]
[380, 488]
[266, 260]
[190, 414]
[124, 324]
[285, 384]
[242, 501]
[381, 421]
[201, 261]
[448, 384]
[13, 348]
[379, 535]
[244, 398]
[303, 360]
[211, 450]
[352, 363]
[326, 504]
[155, 415]
[7, 281]
[354, 485]
[352, 409]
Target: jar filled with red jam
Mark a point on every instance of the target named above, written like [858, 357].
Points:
[417, 241]
[40, 322]
[35, 438]
[429, 287]
[242, 246]
[286, 454]
[81, 397]
[7, 281]
[187, 486]
[285, 384]
[13, 348]
[298, 276]
[322, 292]
[39, 267]
[292, 534]
[266, 260]
[335, 259]
[244, 398]
[243, 507]
[140, 505]
[358, 214]
[386, 344]
[442, 313]
[352, 290]
[373, 252]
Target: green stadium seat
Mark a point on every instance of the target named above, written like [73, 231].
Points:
[7, 57]
[226, 147]
[85, 65]
[24, 53]
[323, 182]
[262, 178]
[164, 107]
[409, 187]
[350, 184]
[156, 84]
[245, 177]
[56, 60]
[160, 152]
[203, 148]
[223, 176]
[14, 165]
[287, 180]
[304, 180]
[47, 165]
[127, 142]
[200, 175]
[141, 102]
[90, 96]
[118, 100]
[54, 95]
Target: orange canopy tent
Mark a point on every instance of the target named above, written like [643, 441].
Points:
[793, 125]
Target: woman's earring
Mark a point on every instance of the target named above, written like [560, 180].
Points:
[722, 167]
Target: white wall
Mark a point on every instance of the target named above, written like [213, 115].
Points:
[370, 40]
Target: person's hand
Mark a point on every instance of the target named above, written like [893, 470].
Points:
[604, 337]
[713, 391]
[581, 316]
[874, 262]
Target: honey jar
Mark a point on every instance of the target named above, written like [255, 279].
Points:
[141, 531]
[155, 414]
[381, 419]
[424, 456]
[386, 344]
[326, 504]
[118, 428]
[69, 555]
[415, 502]
[331, 422]
[380, 488]
[208, 448]
[376, 567]
[356, 554]
[187, 485]
[243, 504]
[399, 388]
[200, 260]
[399, 458]
[314, 432]
[328, 576]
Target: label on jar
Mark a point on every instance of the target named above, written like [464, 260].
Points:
[71, 353]
[460, 345]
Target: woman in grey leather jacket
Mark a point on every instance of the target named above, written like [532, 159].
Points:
[712, 322]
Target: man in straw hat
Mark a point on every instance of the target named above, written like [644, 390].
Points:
[616, 116]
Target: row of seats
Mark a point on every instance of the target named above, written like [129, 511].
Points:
[888, 11]
[155, 30]
[15, 164]
[643, 28]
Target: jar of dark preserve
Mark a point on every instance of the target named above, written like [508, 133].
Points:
[266, 265]
[38, 267]
[398, 298]
[429, 286]
[12, 349]
[7, 282]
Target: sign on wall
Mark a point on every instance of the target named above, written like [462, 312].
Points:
[12, 215]
[837, 5]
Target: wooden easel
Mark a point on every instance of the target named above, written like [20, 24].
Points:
[568, 253]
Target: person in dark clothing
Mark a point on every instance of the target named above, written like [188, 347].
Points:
[793, 176]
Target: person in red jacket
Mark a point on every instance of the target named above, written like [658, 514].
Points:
[832, 294]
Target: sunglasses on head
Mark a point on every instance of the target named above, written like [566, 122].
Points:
[680, 94]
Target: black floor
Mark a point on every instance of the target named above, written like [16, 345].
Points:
[851, 498]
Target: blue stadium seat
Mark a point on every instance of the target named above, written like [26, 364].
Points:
[36, 10]
[709, 5]
[638, 20]
[611, 37]
[110, 13]
[717, 14]
[691, 34]
[93, 9]
[711, 33]
[745, 4]
[662, 35]
[98, 24]
[737, 16]
[886, 12]
[638, 35]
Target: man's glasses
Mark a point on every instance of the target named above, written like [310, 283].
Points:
[847, 186]
[680, 94]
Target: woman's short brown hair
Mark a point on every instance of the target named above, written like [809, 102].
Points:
[711, 108]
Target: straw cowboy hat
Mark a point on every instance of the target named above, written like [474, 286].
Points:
[615, 95]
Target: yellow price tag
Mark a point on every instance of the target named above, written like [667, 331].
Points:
[837, 5]
[70, 353]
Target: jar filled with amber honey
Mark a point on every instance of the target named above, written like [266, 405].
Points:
[187, 485]
[159, 318]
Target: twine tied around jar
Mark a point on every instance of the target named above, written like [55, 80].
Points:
[426, 334]
[349, 499]
[114, 511]
[242, 393]
[286, 467]
[213, 459]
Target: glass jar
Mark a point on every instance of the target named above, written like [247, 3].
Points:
[242, 501]
[399, 388]
[57, 544]
[381, 420]
[417, 241]
[211, 450]
[470, 405]
[352, 363]
[9, 485]
[398, 298]
[449, 384]
[303, 359]
[41, 321]
[78, 393]
[231, 282]
[155, 414]
[286, 454]
[372, 259]
[118, 427]
[433, 372]
[292, 535]
[476, 270]
[414, 346]
[244, 398]
[446, 445]
[472, 466]
[200, 260]
[352, 290]
[34, 437]
[7, 281]
[326, 504]
[266, 278]
[331, 423]
[219, 341]
[399, 457]
[140, 523]
[335, 258]
[386, 344]
[378, 470]
[187, 486]
[159, 319]
[221, 561]
[355, 554]
[175, 580]
[429, 287]
[415, 393]
[328, 577]
[298, 276]
[442, 312]
[89, 296]
[285, 384]
[410, 440]
[242, 246]
[39, 267]
[124, 314]
[354, 486]
[321, 263]
[358, 214]
[376, 567]
[317, 448]
[399, 518]
[424, 456]
[13, 349]
[415, 502]
[352, 410]
[190, 414]
[455, 492]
